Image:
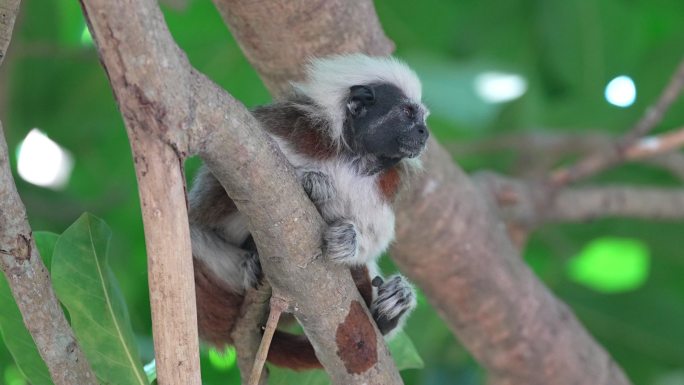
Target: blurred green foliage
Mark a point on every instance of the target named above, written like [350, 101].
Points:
[567, 50]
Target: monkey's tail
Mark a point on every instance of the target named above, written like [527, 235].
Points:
[292, 351]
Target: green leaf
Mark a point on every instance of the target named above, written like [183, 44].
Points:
[611, 265]
[151, 370]
[13, 376]
[404, 352]
[280, 376]
[12, 329]
[46, 241]
[87, 287]
[70, 23]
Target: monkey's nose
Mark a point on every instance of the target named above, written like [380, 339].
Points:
[420, 132]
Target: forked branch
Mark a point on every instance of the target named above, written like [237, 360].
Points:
[172, 111]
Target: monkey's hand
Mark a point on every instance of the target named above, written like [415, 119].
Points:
[341, 242]
[318, 186]
[394, 302]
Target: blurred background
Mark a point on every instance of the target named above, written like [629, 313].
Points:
[494, 72]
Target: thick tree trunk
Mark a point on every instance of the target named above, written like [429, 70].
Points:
[444, 226]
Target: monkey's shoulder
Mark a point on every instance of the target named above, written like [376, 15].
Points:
[298, 123]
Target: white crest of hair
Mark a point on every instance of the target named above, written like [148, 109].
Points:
[329, 79]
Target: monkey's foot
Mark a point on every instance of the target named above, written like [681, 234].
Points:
[341, 244]
[393, 303]
[251, 268]
[318, 186]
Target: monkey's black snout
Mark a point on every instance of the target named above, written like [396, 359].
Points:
[420, 133]
[412, 142]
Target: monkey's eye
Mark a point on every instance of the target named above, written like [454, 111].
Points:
[409, 110]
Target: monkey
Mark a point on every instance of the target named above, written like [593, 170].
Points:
[353, 130]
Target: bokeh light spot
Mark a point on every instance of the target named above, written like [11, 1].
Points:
[223, 360]
[621, 91]
[43, 162]
[611, 265]
[499, 87]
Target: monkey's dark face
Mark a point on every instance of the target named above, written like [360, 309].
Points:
[382, 121]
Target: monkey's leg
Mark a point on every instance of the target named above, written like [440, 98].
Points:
[394, 302]
[236, 267]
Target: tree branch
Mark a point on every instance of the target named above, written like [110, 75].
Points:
[165, 103]
[290, 32]
[449, 240]
[139, 65]
[654, 114]
[26, 274]
[278, 306]
[469, 269]
[532, 204]
[8, 14]
[538, 151]
[32, 289]
[247, 334]
[629, 144]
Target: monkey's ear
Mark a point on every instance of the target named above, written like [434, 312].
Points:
[360, 97]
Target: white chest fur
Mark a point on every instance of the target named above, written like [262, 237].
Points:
[357, 199]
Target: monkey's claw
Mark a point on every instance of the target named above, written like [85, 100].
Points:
[394, 301]
[341, 243]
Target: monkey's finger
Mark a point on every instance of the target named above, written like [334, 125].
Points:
[377, 281]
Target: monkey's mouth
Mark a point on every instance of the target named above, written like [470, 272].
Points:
[411, 148]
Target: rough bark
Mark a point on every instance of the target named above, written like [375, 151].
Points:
[161, 185]
[247, 331]
[449, 240]
[32, 288]
[172, 111]
[8, 14]
[453, 244]
[139, 66]
[279, 36]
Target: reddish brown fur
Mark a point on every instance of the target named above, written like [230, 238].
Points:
[298, 130]
[389, 182]
[292, 351]
[363, 282]
[311, 143]
[217, 306]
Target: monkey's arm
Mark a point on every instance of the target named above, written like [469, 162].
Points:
[317, 186]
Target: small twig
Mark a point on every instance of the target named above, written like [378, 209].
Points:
[654, 145]
[640, 149]
[278, 306]
[518, 200]
[247, 332]
[655, 113]
[599, 161]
